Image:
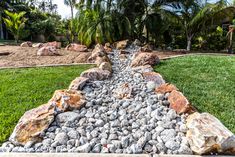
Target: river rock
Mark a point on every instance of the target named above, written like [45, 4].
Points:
[207, 135]
[145, 59]
[123, 91]
[32, 124]
[76, 47]
[95, 74]
[78, 83]
[180, 103]
[66, 100]
[37, 45]
[47, 51]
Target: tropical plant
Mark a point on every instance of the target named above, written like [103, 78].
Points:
[15, 23]
[195, 16]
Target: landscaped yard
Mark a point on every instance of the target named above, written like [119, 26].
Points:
[24, 89]
[207, 81]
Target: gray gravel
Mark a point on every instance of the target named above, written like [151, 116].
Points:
[141, 124]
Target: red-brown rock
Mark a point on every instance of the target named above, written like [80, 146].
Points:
[146, 48]
[155, 77]
[54, 43]
[66, 100]
[145, 59]
[26, 44]
[98, 55]
[47, 51]
[108, 48]
[121, 44]
[78, 83]
[95, 74]
[76, 47]
[143, 69]
[180, 103]
[165, 88]
[32, 124]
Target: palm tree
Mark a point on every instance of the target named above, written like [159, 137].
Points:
[195, 16]
[71, 4]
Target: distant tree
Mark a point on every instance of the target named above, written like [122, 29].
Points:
[15, 23]
[71, 4]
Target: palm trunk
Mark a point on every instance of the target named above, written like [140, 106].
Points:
[1, 28]
[72, 29]
[189, 42]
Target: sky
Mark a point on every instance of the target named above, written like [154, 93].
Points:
[65, 12]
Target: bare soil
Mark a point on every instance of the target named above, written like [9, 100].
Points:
[16, 56]
[27, 56]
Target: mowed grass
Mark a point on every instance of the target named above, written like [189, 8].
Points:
[24, 89]
[207, 81]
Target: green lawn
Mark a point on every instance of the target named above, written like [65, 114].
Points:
[24, 89]
[207, 81]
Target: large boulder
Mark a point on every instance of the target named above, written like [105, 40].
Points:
[155, 77]
[47, 51]
[142, 69]
[98, 55]
[76, 47]
[106, 66]
[146, 48]
[78, 83]
[180, 103]
[121, 44]
[67, 100]
[32, 124]
[95, 74]
[26, 44]
[145, 59]
[165, 88]
[206, 135]
[37, 45]
[54, 43]
[108, 48]
[124, 91]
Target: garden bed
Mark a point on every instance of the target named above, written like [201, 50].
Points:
[27, 56]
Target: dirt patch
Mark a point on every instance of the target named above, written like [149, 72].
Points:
[27, 56]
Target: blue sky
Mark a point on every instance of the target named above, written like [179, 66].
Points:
[64, 11]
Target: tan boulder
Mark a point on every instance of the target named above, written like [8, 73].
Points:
[180, 103]
[47, 51]
[121, 44]
[124, 91]
[106, 66]
[67, 100]
[143, 69]
[108, 48]
[37, 45]
[165, 88]
[82, 57]
[146, 48]
[145, 59]
[96, 74]
[78, 83]
[54, 43]
[26, 44]
[155, 77]
[98, 55]
[76, 47]
[206, 135]
[32, 124]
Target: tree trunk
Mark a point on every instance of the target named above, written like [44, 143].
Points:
[189, 42]
[1, 28]
[72, 29]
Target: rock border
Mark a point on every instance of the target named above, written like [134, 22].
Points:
[203, 138]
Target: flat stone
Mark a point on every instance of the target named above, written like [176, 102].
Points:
[78, 83]
[96, 74]
[155, 77]
[165, 88]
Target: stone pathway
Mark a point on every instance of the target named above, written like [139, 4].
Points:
[122, 114]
